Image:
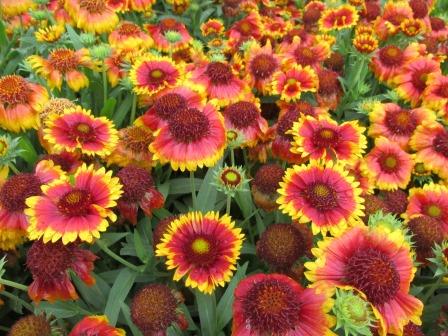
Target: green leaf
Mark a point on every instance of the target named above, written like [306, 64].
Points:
[118, 294]
[224, 309]
[74, 37]
[142, 240]
[108, 108]
[206, 14]
[207, 192]
[28, 153]
[3, 38]
[181, 186]
[122, 110]
[206, 304]
[94, 295]
[62, 309]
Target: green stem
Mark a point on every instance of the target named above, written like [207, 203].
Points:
[232, 156]
[117, 258]
[133, 109]
[104, 85]
[14, 285]
[193, 191]
[16, 298]
[432, 289]
[228, 204]
[13, 168]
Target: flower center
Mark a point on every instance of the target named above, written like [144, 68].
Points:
[83, 132]
[168, 24]
[14, 90]
[304, 56]
[242, 115]
[419, 8]
[136, 182]
[388, 163]
[419, 79]
[230, 177]
[129, 29]
[189, 125]
[136, 139]
[156, 75]
[200, 246]
[202, 250]
[271, 307]
[263, 66]
[219, 73]
[169, 104]
[437, 23]
[391, 55]
[63, 60]
[325, 138]
[49, 260]
[76, 202]
[440, 144]
[372, 272]
[17, 189]
[93, 6]
[268, 177]
[402, 122]
[286, 122]
[245, 28]
[443, 90]
[321, 196]
[433, 210]
[328, 82]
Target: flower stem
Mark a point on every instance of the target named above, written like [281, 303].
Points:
[133, 109]
[228, 204]
[13, 168]
[193, 191]
[104, 85]
[16, 298]
[117, 258]
[14, 285]
[232, 156]
[432, 289]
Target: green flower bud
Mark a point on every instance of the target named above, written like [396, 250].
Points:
[172, 36]
[100, 52]
[87, 39]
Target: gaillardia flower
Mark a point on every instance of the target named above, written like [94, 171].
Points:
[158, 33]
[95, 325]
[345, 16]
[202, 247]
[49, 264]
[274, 304]
[49, 34]
[378, 263]
[95, 16]
[78, 129]
[324, 138]
[265, 185]
[63, 64]
[151, 74]
[323, 194]
[75, 208]
[293, 81]
[128, 35]
[389, 165]
[426, 231]
[192, 138]
[20, 103]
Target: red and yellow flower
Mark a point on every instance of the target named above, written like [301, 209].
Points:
[394, 13]
[202, 247]
[436, 93]
[192, 138]
[323, 194]
[13, 7]
[129, 35]
[365, 43]
[342, 17]
[75, 208]
[63, 65]
[20, 103]
[95, 16]
[96, 325]
[49, 34]
[289, 84]
[311, 53]
[212, 27]
[157, 32]
[412, 27]
[377, 262]
[275, 304]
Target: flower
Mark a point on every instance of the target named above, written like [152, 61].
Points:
[376, 262]
[63, 64]
[202, 247]
[20, 103]
[412, 27]
[230, 180]
[31, 325]
[265, 185]
[322, 137]
[342, 17]
[323, 194]
[365, 43]
[151, 74]
[389, 165]
[275, 304]
[77, 129]
[330, 90]
[49, 264]
[436, 93]
[308, 53]
[94, 16]
[430, 200]
[49, 34]
[193, 138]
[212, 27]
[161, 43]
[114, 66]
[154, 308]
[128, 35]
[138, 191]
[74, 209]
[430, 141]
[95, 325]
[426, 231]
[13, 7]
[13, 194]
[295, 80]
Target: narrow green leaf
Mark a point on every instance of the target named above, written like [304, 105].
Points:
[142, 240]
[122, 110]
[108, 108]
[28, 152]
[207, 192]
[74, 37]
[118, 294]
[62, 309]
[181, 186]
[3, 38]
[94, 295]
[206, 304]
[206, 14]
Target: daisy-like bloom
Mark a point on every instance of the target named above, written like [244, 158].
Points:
[265, 185]
[114, 66]
[49, 264]
[412, 27]
[94, 16]
[430, 200]
[389, 165]
[311, 53]
[212, 27]
[325, 195]
[141, 5]
[74, 208]
[245, 29]
[261, 64]
[396, 201]
[430, 141]
[387, 62]
[151, 74]
[161, 43]
[365, 43]
[192, 138]
[412, 79]
[63, 65]
[155, 307]
[168, 103]
[219, 82]
[330, 91]
[32, 325]
[293, 81]
[96, 325]
[312, 12]
[324, 138]
[139, 190]
[13, 7]
[396, 123]
[244, 117]
[275, 28]
[202, 247]
[128, 35]
[49, 34]
[426, 231]
[78, 129]
[274, 304]
[342, 17]
[359, 171]
[13, 193]
[132, 148]
[394, 13]
[439, 29]
[375, 261]
[436, 93]
[20, 103]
